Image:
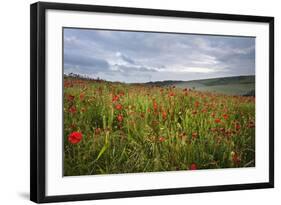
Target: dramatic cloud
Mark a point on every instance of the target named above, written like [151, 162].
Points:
[147, 56]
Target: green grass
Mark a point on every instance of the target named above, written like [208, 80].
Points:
[160, 129]
[237, 85]
[230, 89]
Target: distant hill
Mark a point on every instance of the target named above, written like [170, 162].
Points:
[236, 85]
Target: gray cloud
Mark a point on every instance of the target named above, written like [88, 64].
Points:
[86, 61]
[144, 56]
[125, 58]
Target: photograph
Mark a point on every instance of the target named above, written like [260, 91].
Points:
[143, 101]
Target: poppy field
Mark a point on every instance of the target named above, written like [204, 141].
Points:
[112, 128]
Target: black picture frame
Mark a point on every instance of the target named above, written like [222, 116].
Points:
[38, 100]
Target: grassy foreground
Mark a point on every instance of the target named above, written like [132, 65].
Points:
[119, 128]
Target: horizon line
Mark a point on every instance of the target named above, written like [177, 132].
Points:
[85, 76]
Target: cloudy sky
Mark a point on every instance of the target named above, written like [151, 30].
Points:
[145, 56]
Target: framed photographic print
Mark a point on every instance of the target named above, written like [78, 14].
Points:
[129, 102]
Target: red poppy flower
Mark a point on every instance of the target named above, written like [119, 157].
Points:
[70, 97]
[161, 139]
[204, 110]
[196, 104]
[193, 166]
[225, 116]
[194, 135]
[171, 94]
[115, 98]
[251, 124]
[75, 137]
[217, 120]
[164, 115]
[72, 109]
[237, 126]
[155, 106]
[82, 95]
[118, 107]
[120, 118]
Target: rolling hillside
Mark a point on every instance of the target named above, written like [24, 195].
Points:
[237, 85]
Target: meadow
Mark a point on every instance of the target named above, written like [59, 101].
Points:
[235, 85]
[112, 128]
